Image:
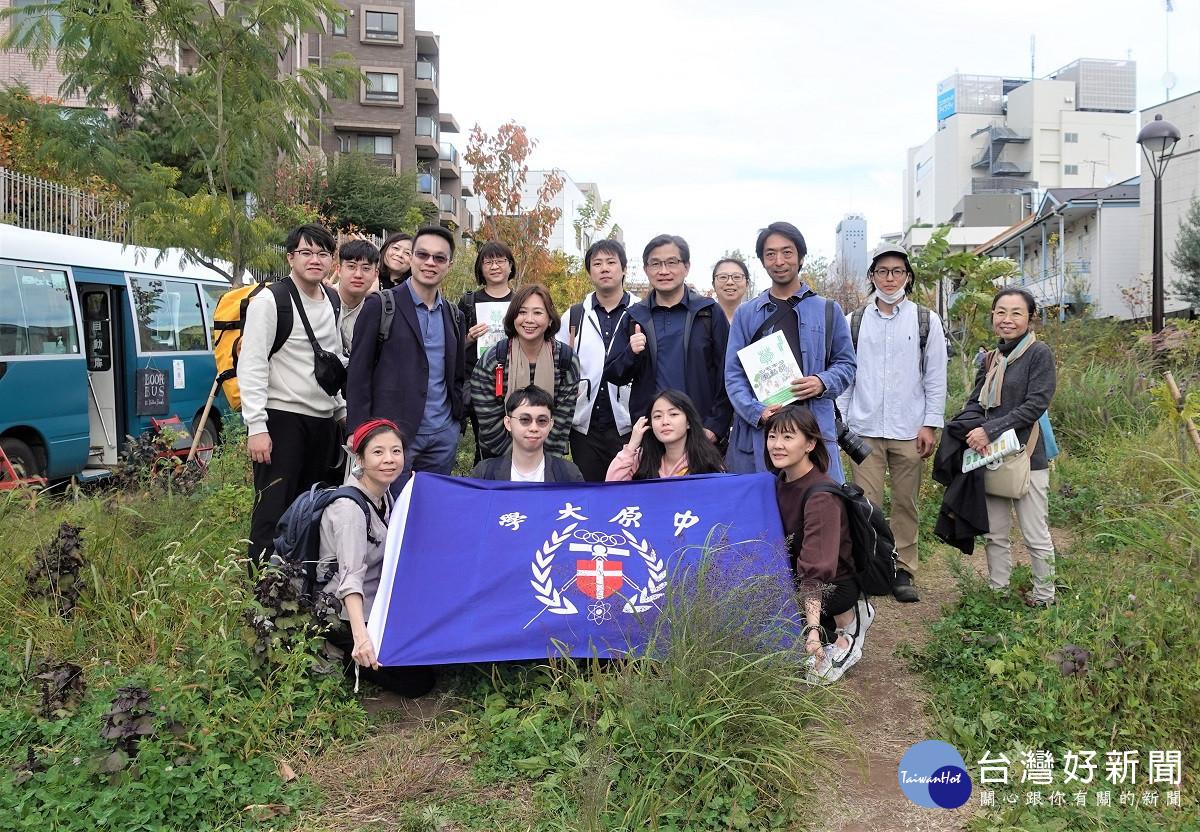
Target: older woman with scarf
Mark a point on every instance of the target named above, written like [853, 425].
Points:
[1014, 389]
[528, 355]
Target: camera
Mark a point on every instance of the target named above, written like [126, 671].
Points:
[853, 444]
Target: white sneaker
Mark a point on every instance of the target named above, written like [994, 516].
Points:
[864, 617]
[836, 660]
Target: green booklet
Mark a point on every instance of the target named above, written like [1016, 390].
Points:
[771, 368]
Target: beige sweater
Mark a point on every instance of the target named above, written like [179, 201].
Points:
[287, 380]
[344, 540]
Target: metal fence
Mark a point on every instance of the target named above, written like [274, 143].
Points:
[41, 205]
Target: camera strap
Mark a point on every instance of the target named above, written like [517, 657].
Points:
[790, 333]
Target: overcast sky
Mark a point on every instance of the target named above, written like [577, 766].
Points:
[711, 119]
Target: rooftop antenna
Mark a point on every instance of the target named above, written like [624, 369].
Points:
[1033, 56]
[1168, 78]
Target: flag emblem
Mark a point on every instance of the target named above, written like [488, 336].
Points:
[598, 578]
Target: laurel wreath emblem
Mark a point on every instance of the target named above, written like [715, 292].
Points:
[656, 580]
[541, 583]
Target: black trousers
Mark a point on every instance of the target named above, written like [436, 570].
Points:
[304, 451]
[406, 681]
[842, 596]
[595, 450]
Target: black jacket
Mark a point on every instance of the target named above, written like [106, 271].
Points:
[963, 515]
[706, 333]
[500, 468]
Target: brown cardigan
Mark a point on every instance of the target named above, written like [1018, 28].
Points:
[818, 538]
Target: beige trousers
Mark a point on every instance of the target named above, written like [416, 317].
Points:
[901, 458]
[1035, 528]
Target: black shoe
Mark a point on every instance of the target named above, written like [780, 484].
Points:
[902, 588]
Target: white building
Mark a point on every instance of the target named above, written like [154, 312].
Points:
[1180, 185]
[1081, 246]
[569, 200]
[999, 137]
[850, 247]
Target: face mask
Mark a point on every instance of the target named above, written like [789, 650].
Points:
[896, 298]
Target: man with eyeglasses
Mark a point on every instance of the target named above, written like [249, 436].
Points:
[594, 329]
[897, 400]
[529, 415]
[408, 363]
[815, 330]
[677, 340]
[294, 439]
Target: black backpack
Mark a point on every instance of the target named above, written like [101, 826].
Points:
[871, 538]
[298, 533]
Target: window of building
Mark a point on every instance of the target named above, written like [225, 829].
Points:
[36, 314]
[344, 143]
[170, 317]
[338, 25]
[383, 86]
[381, 26]
[1070, 138]
[1070, 170]
[378, 145]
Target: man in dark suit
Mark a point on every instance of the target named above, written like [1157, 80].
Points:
[529, 415]
[415, 376]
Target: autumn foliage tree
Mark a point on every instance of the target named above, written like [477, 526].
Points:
[500, 180]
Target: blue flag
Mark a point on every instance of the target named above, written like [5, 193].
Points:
[482, 571]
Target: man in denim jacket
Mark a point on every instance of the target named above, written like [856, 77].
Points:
[781, 249]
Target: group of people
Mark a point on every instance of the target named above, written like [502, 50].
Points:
[630, 388]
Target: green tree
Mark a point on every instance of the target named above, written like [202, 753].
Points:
[591, 220]
[1186, 256]
[974, 278]
[360, 195]
[216, 77]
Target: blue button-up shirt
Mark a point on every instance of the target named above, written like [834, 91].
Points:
[889, 398]
[437, 398]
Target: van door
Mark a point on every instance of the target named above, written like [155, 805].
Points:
[103, 354]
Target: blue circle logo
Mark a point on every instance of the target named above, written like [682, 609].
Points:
[932, 774]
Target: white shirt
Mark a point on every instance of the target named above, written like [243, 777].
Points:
[889, 399]
[538, 474]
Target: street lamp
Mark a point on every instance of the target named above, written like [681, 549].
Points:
[1158, 140]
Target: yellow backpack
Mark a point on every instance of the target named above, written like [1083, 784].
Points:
[228, 321]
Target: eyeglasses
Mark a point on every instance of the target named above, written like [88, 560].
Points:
[728, 278]
[309, 254]
[670, 263]
[492, 261]
[438, 259]
[898, 271]
[526, 420]
[1015, 314]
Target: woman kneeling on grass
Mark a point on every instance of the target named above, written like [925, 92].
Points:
[676, 444]
[819, 544]
[357, 554]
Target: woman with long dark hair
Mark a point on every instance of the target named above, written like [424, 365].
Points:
[395, 260]
[836, 615]
[669, 441]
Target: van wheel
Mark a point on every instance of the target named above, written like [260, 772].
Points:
[208, 439]
[21, 457]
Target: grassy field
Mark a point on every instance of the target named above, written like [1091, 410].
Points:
[144, 686]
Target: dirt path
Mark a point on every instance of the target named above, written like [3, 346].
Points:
[889, 708]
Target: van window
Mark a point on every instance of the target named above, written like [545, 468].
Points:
[170, 317]
[36, 313]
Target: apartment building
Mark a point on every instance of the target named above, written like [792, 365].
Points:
[396, 114]
[998, 137]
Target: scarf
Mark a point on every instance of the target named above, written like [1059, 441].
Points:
[1000, 358]
[518, 371]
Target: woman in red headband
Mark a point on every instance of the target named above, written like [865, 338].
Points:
[355, 550]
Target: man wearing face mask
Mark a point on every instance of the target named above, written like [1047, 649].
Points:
[897, 400]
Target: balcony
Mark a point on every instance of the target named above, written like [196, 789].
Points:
[448, 207]
[426, 82]
[426, 184]
[449, 161]
[427, 141]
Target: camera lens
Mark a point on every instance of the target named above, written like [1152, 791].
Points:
[854, 445]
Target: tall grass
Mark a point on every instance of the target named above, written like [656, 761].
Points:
[713, 727]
